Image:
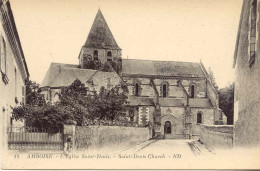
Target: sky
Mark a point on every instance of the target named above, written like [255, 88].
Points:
[170, 30]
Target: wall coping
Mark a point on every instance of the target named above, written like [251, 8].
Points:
[217, 126]
[70, 122]
[94, 126]
[228, 134]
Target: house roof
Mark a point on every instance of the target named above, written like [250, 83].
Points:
[100, 35]
[59, 75]
[161, 68]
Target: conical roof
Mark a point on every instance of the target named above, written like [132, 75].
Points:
[100, 35]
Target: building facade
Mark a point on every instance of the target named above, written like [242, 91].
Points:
[13, 68]
[247, 77]
[173, 97]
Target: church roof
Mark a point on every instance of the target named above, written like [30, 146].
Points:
[161, 68]
[140, 101]
[203, 103]
[168, 102]
[100, 35]
[59, 75]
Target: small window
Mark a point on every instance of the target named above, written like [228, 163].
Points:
[95, 55]
[192, 91]
[109, 54]
[137, 89]
[199, 118]
[164, 90]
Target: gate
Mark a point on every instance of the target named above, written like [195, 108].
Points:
[28, 138]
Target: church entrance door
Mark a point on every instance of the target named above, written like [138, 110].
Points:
[167, 127]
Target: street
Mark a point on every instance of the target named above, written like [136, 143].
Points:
[164, 148]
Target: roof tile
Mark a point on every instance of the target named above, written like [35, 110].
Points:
[161, 68]
[100, 35]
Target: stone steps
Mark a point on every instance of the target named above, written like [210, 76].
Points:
[173, 136]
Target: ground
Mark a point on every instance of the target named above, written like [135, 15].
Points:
[177, 148]
[169, 148]
[152, 154]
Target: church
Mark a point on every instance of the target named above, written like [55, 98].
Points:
[173, 97]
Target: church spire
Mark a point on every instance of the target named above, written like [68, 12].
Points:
[100, 35]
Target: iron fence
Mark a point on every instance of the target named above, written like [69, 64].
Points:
[29, 138]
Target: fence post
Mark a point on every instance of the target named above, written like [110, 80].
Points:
[69, 135]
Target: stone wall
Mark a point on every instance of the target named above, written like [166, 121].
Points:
[247, 89]
[109, 138]
[207, 118]
[212, 95]
[174, 91]
[216, 137]
[102, 54]
[145, 115]
[176, 116]
[106, 79]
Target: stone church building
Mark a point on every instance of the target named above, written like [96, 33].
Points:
[173, 97]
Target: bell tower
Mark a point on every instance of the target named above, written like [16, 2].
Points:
[100, 51]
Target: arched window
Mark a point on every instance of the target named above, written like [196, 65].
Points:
[199, 118]
[164, 90]
[109, 56]
[192, 91]
[95, 55]
[137, 89]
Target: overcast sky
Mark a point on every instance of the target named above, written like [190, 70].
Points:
[172, 30]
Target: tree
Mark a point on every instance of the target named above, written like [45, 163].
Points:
[74, 104]
[226, 102]
[33, 93]
[44, 117]
[212, 78]
[49, 116]
[111, 104]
